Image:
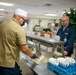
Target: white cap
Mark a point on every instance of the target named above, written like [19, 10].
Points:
[20, 12]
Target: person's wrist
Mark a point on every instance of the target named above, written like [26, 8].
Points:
[34, 56]
[31, 55]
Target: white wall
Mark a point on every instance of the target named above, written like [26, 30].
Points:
[35, 21]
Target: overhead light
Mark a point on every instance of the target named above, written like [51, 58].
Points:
[6, 4]
[51, 14]
[65, 12]
[1, 9]
[1, 16]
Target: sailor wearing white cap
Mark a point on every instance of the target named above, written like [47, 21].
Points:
[21, 12]
[13, 39]
[20, 15]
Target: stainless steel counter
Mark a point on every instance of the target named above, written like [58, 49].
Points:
[40, 69]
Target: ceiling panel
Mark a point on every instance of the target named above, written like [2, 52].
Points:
[38, 7]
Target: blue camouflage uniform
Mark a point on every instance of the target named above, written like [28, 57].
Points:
[68, 33]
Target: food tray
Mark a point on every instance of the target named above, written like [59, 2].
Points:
[61, 70]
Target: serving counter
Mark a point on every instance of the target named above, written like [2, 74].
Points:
[39, 65]
[38, 69]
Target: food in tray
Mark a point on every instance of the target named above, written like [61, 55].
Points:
[57, 53]
[41, 59]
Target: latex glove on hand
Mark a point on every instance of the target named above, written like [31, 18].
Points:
[34, 56]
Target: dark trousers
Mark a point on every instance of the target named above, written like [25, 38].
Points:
[10, 71]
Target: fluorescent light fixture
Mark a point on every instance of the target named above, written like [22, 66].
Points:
[65, 12]
[1, 16]
[51, 14]
[6, 4]
[1, 9]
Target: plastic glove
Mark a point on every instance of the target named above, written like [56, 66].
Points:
[34, 56]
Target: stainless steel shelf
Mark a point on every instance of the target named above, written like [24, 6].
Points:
[43, 41]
